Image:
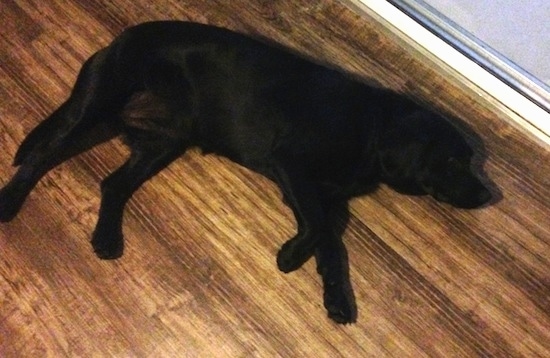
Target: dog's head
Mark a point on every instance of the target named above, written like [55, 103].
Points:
[425, 154]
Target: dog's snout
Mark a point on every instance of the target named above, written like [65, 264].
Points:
[477, 196]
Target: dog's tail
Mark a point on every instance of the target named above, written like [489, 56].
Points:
[98, 94]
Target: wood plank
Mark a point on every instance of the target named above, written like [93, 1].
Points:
[199, 277]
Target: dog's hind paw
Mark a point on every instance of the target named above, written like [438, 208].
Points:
[108, 250]
[108, 245]
[10, 204]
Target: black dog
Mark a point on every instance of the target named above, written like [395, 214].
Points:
[320, 135]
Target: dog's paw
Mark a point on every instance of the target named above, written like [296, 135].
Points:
[108, 244]
[10, 203]
[291, 256]
[338, 305]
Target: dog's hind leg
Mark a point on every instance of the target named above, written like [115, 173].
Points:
[147, 158]
[97, 96]
[14, 193]
[77, 125]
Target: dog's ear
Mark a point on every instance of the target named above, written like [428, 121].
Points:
[402, 140]
[400, 160]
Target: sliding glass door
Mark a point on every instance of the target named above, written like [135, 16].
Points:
[509, 38]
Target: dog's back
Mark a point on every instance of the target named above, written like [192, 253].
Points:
[241, 98]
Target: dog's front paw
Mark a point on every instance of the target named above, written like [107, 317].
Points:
[292, 256]
[108, 244]
[338, 305]
[10, 203]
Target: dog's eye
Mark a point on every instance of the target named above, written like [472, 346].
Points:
[455, 165]
[454, 162]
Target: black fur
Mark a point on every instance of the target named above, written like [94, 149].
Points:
[320, 135]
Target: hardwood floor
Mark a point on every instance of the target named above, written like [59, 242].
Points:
[198, 278]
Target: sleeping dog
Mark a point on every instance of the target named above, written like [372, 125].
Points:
[320, 135]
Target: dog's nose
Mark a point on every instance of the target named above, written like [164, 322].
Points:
[483, 196]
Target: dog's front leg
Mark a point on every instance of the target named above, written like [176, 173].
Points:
[333, 266]
[302, 196]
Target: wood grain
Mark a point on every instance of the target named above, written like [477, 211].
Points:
[199, 277]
